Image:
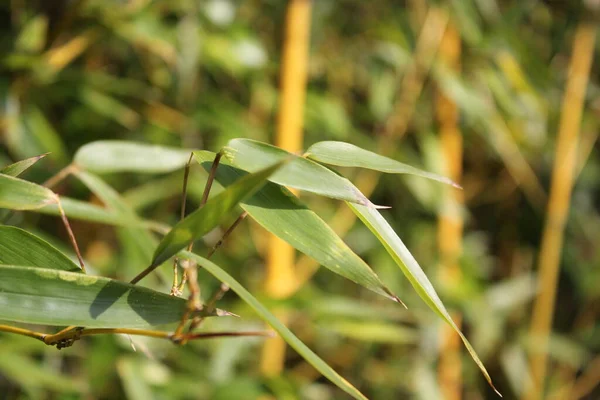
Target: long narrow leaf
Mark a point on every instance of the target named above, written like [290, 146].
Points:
[348, 155]
[85, 211]
[412, 270]
[19, 247]
[300, 173]
[211, 214]
[19, 167]
[138, 244]
[52, 297]
[281, 213]
[121, 156]
[18, 194]
[284, 332]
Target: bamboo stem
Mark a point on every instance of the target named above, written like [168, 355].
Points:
[67, 334]
[450, 225]
[23, 332]
[558, 206]
[280, 280]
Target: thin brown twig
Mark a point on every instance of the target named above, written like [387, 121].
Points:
[226, 234]
[218, 295]
[65, 221]
[60, 176]
[67, 336]
[191, 269]
[211, 178]
[176, 290]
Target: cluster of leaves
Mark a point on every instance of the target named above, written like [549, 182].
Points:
[196, 75]
[40, 285]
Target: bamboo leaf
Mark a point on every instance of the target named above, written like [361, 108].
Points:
[19, 167]
[85, 211]
[32, 374]
[18, 194]
[210, 215]
[53, 297]
[138, 243]
[300, 173]
[121, 156]
[280, 212]
[19, 247]
[348, 155]
[284, 332]
[412, 270]
[373, 331]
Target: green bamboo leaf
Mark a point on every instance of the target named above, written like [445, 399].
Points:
[269, 318]
[35, 376]
[211, 214]
[19, 167]
[300, 173]
[61, 298]
[110, 107]
[109, 196]
[134, 382]
[280, 212]
[138, 244]
[17, 194]
[19, 247]
[372, 331]
[412, 270]
[82, 210]
[348, 155]
[121, 156]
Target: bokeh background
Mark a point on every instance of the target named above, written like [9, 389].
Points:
[479, 90]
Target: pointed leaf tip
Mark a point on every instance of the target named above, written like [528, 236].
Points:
[412, 270]
[375, 206]
[301, 173]
[19, 167]
[348, 155]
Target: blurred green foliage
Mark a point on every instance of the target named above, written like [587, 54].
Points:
[196, 74]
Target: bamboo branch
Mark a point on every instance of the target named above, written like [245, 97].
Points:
[66, 337]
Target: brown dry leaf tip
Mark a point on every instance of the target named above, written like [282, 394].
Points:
[397, 300]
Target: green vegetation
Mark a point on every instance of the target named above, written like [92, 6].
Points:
[447, 113]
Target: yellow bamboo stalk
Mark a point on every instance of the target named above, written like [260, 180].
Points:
[450, 224]
[60, 56]
[280, 281]
[558, 206]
